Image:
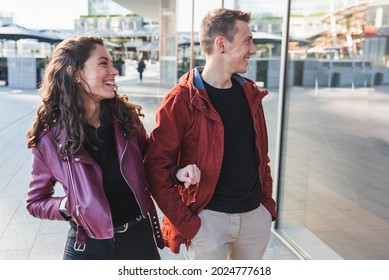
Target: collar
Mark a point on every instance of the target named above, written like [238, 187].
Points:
[198, 81]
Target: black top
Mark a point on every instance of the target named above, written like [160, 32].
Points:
[102, 148]
[238, 188]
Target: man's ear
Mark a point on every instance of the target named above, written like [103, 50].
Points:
[220, 44]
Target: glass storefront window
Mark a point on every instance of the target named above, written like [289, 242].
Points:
[168, 41]
[333, 188]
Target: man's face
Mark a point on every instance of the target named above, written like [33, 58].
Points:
[239, 51]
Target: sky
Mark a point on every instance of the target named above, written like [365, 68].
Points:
[45, 14]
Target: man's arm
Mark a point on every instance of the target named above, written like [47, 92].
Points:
[172, 119]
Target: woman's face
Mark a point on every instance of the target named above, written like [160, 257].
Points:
[98, 74]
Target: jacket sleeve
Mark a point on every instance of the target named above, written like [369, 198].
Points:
[267, 199]
[172, 119]
[40, 201]
[266, 177]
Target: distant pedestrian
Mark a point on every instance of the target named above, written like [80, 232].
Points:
[90, 139]
[141, 68]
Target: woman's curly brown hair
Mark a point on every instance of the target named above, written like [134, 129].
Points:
[62, 97]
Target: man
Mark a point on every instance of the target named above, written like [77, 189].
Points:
[213, 122]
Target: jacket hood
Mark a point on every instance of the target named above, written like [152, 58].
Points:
[193, 79]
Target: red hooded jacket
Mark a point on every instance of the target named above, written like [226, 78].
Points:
[190, 131]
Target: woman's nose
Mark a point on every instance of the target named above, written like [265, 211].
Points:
[114, 71]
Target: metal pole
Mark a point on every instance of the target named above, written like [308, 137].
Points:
[281, 105]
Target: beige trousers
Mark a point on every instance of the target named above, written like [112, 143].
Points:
[221, 236]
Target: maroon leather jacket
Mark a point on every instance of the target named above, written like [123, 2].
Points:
[81, 178]
[190, 131]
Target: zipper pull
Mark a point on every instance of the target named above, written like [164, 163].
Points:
[78, 210]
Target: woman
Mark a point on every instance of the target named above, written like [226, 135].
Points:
[90, 139]
[141, 68]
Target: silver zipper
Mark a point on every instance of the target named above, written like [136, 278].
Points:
[78, 212]
[124, 177]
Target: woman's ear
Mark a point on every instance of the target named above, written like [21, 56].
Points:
[76, 74]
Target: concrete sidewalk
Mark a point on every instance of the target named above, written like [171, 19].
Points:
[23, 237]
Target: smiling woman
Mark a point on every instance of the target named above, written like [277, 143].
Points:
[90, 139]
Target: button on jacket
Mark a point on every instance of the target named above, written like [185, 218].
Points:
[81, 178]
[190, 131]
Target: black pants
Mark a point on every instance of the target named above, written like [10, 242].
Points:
[137, 243]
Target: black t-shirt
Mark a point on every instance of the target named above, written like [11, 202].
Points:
[102, 148]
[238, 188]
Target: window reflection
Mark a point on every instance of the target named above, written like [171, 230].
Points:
[335, 154]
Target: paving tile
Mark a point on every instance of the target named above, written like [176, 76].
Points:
[48, 247]
[19, 237]
[14, 254]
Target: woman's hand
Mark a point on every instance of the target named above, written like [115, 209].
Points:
[190, 175]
